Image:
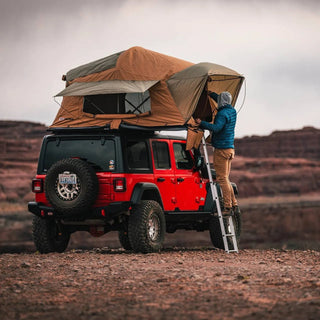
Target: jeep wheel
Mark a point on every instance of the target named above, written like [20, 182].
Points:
[147, 227]
[77, 194]
[49, 235]
[215, 230]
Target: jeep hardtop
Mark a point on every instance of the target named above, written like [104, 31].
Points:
[139, 183]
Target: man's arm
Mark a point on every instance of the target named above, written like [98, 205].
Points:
[214, 96]
[218, 125]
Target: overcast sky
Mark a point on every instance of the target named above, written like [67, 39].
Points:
[274, 44]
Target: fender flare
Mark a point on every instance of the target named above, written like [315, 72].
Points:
[142, 187]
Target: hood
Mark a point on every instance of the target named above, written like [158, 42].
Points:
[224, 98]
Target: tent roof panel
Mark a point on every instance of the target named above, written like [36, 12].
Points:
[93, 67]
[106, 87]
[203, 69]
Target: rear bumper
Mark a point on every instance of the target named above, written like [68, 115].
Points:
[108, 212]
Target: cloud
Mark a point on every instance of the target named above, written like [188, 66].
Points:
[275, 44]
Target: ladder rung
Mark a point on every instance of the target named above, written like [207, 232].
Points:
[230, 234]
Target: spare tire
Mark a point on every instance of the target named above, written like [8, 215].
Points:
[71, 186]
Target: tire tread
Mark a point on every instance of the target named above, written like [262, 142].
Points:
[137, 227]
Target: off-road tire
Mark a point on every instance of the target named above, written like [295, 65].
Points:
[215, 231]
[49, 235]
[87, 183]
[124, 239]
[147, 227]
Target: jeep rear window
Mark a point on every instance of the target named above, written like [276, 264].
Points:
[99, 152]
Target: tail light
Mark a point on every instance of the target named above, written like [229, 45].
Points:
[37, 185]
[119, 184]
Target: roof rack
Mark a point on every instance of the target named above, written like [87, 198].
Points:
[122, 128]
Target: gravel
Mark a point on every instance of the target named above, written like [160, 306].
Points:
[177, 283]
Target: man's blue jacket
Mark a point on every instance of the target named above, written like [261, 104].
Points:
[223, 126]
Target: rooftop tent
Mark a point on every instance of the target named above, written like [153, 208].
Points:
[135, 73]
[189, 90]
[142, 88]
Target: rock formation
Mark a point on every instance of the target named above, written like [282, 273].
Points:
[278, 177]
[304, 143]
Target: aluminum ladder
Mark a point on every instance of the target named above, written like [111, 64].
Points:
[213, 188]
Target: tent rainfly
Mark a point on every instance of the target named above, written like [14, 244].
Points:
[142, 88]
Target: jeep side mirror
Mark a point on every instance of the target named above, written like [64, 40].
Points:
[198, 162]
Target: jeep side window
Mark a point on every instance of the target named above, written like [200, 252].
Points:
[161, 155]
[137, 155]
[182, 157]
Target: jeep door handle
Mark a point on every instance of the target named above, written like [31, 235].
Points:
[180, 179]
[161, 179]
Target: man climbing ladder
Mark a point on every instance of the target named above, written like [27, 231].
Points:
[223, 144]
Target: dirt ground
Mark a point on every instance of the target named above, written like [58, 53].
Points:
[178, 283]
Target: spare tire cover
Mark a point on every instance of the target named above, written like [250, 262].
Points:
[71, 186]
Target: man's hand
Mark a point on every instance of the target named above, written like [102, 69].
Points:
[198, 121]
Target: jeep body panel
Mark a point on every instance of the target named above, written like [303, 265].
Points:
[181, 187]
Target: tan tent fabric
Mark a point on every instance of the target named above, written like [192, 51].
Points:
[175, 87]
[219, 83]
[194, 135]
[93, 67]
[106, 87]
[186, 86]
[115, 124]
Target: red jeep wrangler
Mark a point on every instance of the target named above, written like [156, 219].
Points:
[140, 184]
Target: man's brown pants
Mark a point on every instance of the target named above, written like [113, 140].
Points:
[222, 164]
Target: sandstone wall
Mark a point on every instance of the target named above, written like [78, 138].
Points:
[303, 143]
[19, 150]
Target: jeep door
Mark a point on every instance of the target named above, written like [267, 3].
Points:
[164, 175]
[190, 189]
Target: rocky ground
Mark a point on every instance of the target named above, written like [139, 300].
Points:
[174, 284]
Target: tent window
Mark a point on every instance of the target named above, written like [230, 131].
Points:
[137, 102]
[104, 104]
[120, 103]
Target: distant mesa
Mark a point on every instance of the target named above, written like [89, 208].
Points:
[303, 143]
